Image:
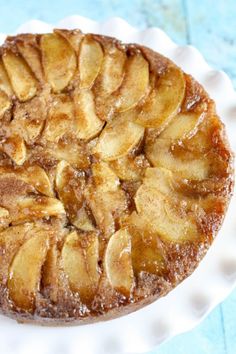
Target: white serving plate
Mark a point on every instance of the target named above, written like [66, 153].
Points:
[185, 306]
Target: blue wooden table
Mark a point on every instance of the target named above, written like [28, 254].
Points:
[211, 27]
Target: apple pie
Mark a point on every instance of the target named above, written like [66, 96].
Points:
[115, 176]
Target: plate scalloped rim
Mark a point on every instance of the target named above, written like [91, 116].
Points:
[185, 306]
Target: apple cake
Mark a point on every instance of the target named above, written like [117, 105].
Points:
[116, 174]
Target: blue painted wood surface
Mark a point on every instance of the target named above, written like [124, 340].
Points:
[211, 27]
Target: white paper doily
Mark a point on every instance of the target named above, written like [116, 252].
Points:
[191, 301]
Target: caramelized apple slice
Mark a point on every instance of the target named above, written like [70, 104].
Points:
[15, 148]
[32, 56]
[164, 100]
[129, 168]
[112, 71]
[148, 254]
[3, 213]
[105, 179]
[171, 221]
[37, 177]
[118, 138]
[5, 103]
[160, 178]
[153, 201]
[135, 84]
[24, 274]
[88, 124]
[50, 273]
[71, 151]
[118, 264]
[60, 118]
[29, 117]
[4, 218]
[90, 61]
[80, 263]
[83, 221]
[106, 199]
[69, 186]
[22, 80]
[183, 126]
[5, 84]
[28, 129]
[59, 61]
[12, 188]
[73, 37]
[183, 190]
[28, 208]
[125, 169]
[11, 240]
[195, 168]
[32, 175]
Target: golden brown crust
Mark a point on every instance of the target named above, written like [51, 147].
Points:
[114, 165]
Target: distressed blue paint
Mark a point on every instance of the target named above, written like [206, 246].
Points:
[205, 339]
[211, 27]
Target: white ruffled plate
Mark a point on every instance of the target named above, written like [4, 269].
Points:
[191, 301]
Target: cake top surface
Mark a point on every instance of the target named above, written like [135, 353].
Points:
[115, 175]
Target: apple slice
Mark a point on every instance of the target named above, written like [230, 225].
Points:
[37, 177]
[11, 239]
[161, 179]
[5, 84]
[90, 61]
[3, 212]
[50, 272]
[35, 207]
[169, 184]
[118, 264]
[104, 177]
[88, 124]
[83, 221]
[5, 103]
[59, 61]
[32, 56]
[32, 175]
[15, 148]
[148, 254]
[72, 151]
[74, 37]
[164, 100]
[118, 138]
[4, 218]
[195, 168]
[130, 168]
[60, 118]
[22, 80]
[28, 129]
[135, 83]
[112, 71]
[25, 271]
[105, 107]
[160, 152]
[69, 186]
[183, 126]
[170, 221]
[106, 199]
[80, 262]
[125, 169]
[108, 81]
[29, 117]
